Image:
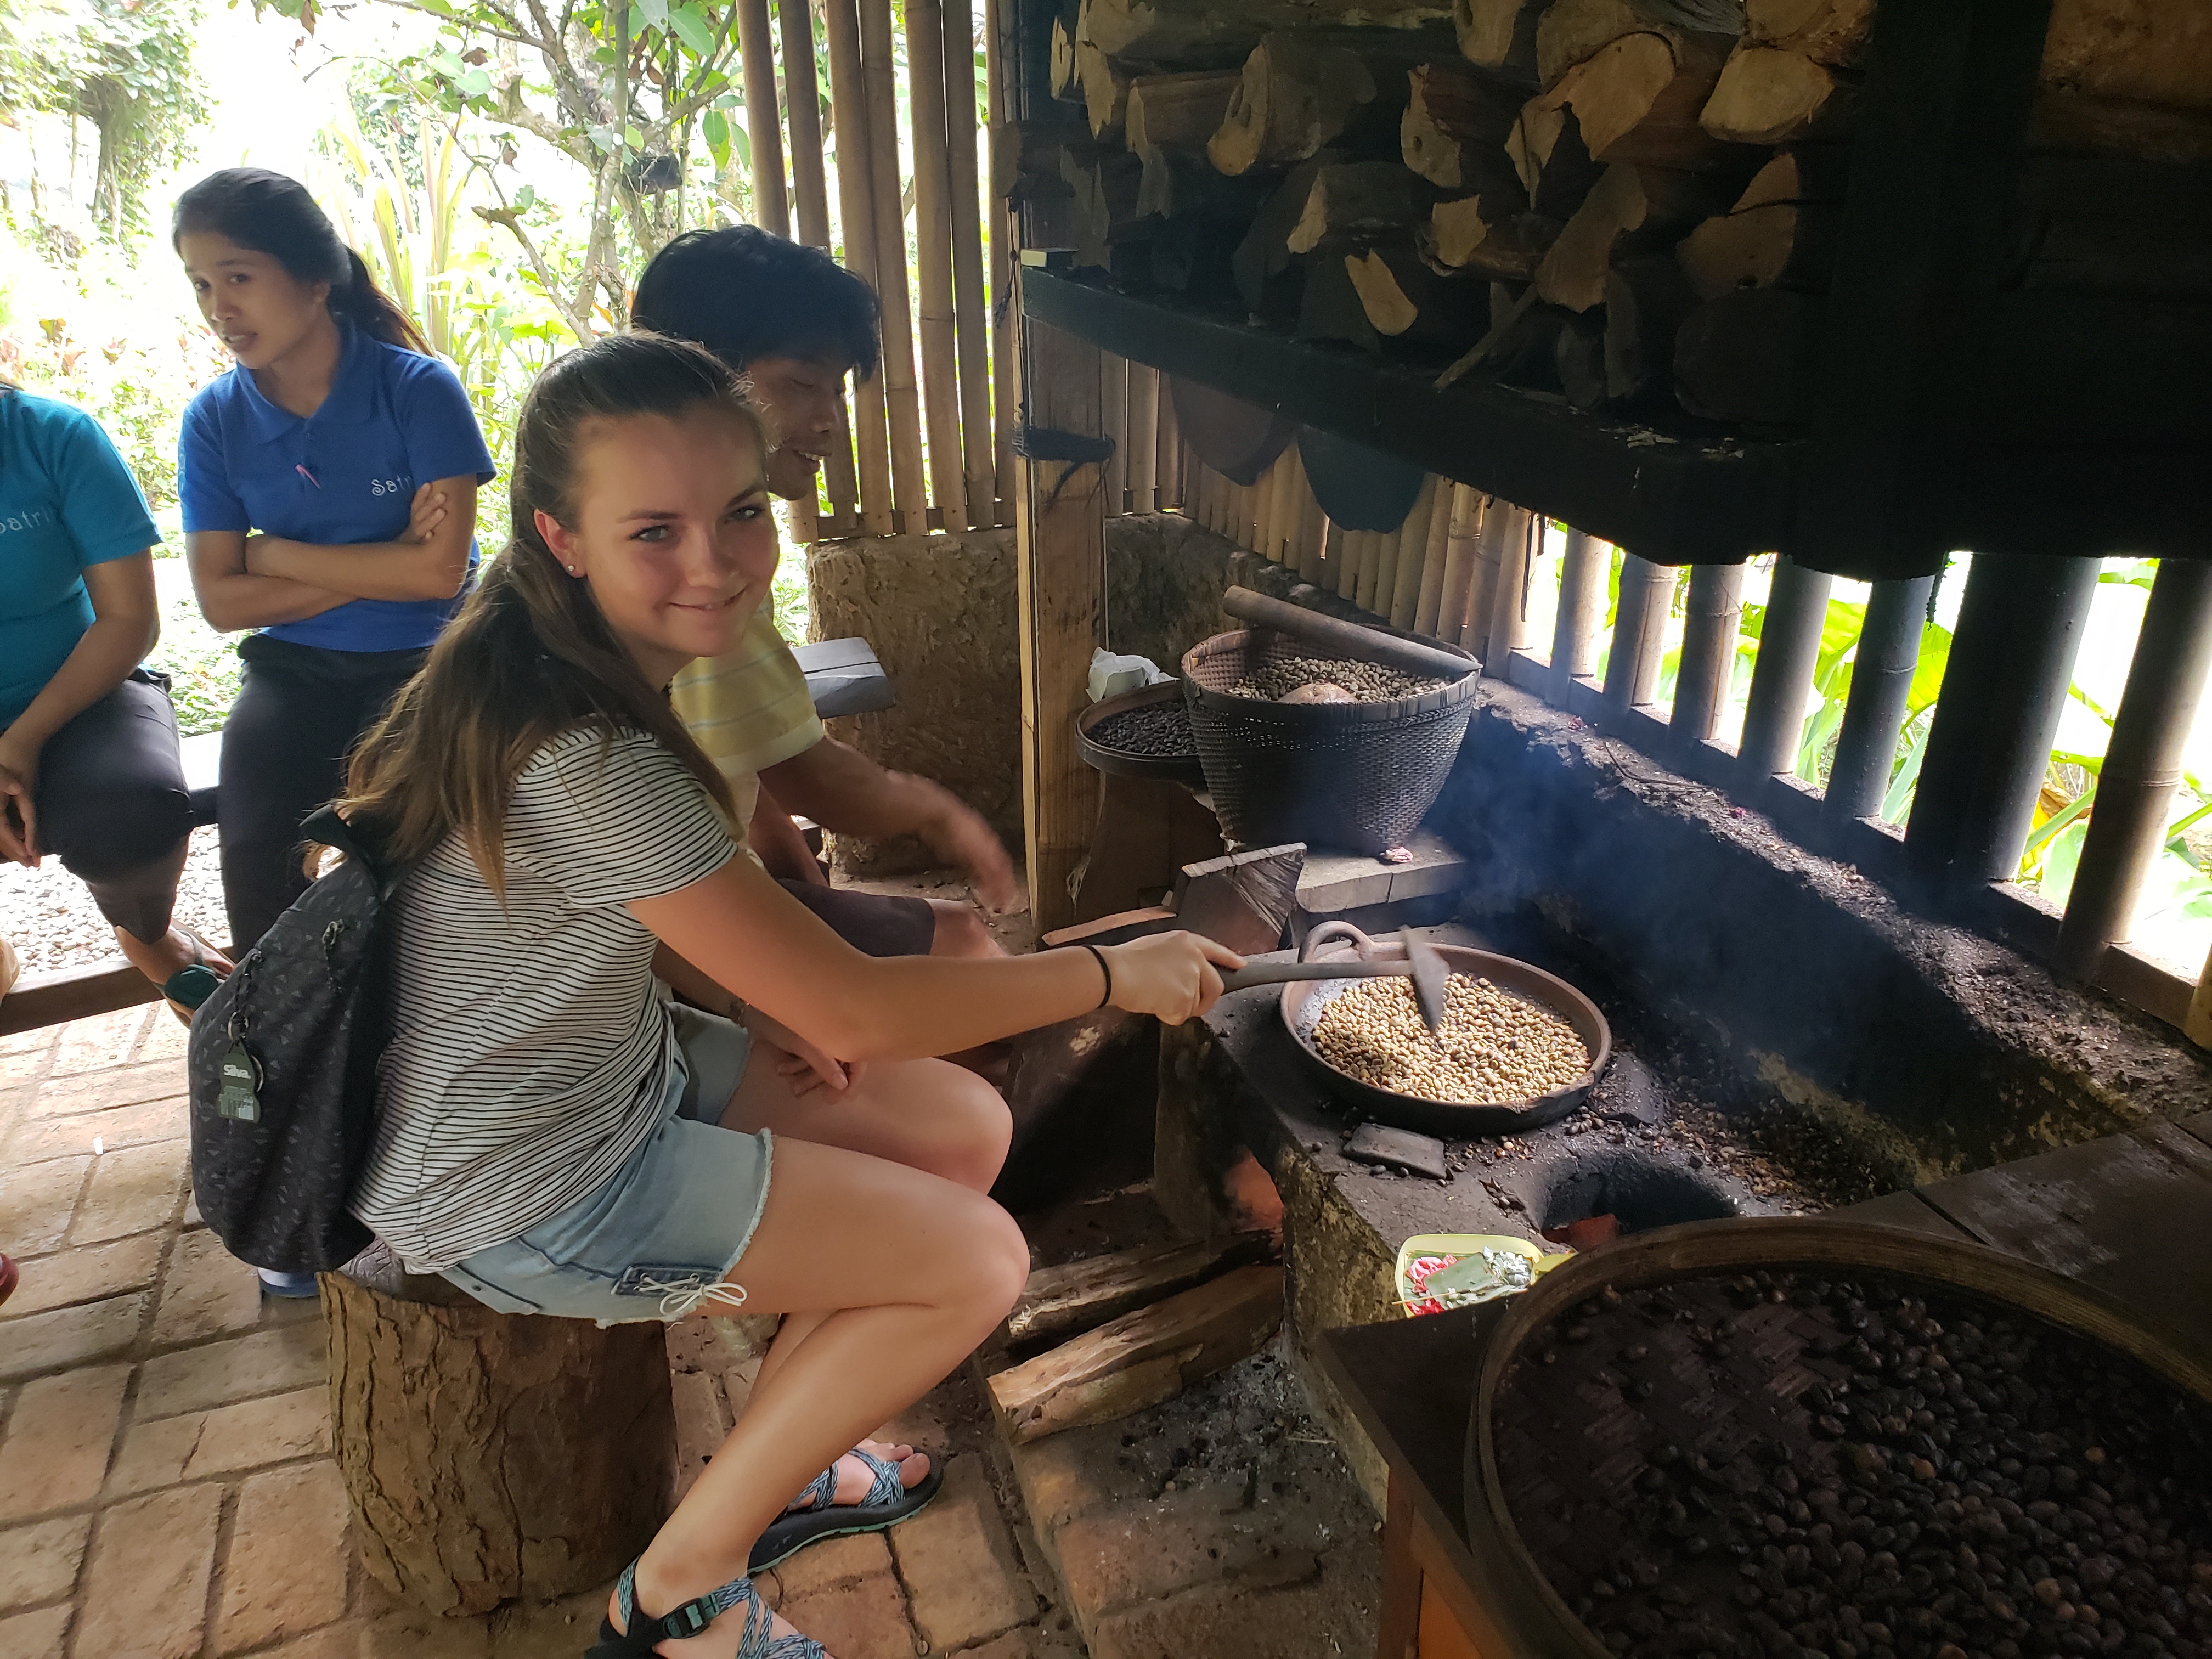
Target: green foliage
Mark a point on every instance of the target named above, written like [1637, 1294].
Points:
[125, 66]
[628, 90]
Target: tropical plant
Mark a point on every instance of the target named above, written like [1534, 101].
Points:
[125, 66]
[623, 88]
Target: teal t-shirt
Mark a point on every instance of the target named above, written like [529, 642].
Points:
[67, 501]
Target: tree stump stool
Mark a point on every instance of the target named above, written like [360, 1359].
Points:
[489, 1456]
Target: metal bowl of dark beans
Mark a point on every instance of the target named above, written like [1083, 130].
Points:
[1782, 1436]
[1145, 733]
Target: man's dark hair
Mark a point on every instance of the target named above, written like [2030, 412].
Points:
[744, 295]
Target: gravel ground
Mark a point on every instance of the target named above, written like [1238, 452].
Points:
[53, 924]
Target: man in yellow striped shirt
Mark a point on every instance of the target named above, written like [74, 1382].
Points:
[795, 323]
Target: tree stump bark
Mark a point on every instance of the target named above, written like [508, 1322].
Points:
[490, 1456]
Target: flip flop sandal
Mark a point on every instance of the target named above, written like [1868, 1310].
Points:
[887, 1504]
[646, 1631]
[193, 984]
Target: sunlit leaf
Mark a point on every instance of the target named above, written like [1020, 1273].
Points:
[690, 27]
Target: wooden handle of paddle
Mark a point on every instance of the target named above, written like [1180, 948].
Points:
[1346, 638]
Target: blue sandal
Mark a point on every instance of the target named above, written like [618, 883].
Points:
[646, 1631]
[888, 1502]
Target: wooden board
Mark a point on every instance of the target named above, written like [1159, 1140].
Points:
[2127, 1215]
[1061, 544]
[1081, 1295]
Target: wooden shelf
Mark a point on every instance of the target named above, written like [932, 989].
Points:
[1673, 498]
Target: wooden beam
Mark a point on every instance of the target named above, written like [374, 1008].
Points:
[811, 204]
[1584, 567]
[1782, 673]
[1882, 667]
[1632, 667]
[1062, 564]
[43, 1000]
[1005, 312]
[932, 220]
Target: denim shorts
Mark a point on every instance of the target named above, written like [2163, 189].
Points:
[667, 1228]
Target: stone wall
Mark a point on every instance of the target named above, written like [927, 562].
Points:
[939, 612]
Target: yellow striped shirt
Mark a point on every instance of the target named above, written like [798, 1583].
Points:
[748, 708]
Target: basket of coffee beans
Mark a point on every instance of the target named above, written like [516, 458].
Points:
[1302, 743]
[1789, 1437]
[1145, 733]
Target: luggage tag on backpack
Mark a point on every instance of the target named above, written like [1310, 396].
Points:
[240, 1095]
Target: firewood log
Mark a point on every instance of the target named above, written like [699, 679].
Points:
[1831, 31]
[1407, 301]
[1081, 1295]
[1549, 157]
[2153, 259]
[1104, 211]
[1748, 356]
[1217, 34]
[1298, 92]
[1813, 172]
[1263, 257]
[1578, 359]
[1065, 85]
[1330, 305]
[1176, 183]
[1527, 351]
[1629, 210]
[1637, 99]
[1359, 197]
[1645, 301]
[1780, 244]
[2069, 123]
[1105, 91]
[1498, 35]
[1456, 126]
[1574, 30]
[1178, 111]
[2146, 52]
[1025, 157]
[1488, 236]
[1768, 96]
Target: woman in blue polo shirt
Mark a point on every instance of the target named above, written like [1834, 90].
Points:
[329, 485]
[89, 765]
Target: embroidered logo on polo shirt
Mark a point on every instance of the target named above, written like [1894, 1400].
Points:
[401, 485]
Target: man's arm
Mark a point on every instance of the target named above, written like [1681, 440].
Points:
[778, 845]
[841, 789]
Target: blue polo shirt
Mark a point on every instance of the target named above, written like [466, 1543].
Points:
[394, 420]
[66, 502]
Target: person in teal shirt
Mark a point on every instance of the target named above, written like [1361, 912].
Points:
[88, 763]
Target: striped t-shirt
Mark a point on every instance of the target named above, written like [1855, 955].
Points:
[532, 1050]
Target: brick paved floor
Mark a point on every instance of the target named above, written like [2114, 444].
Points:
[166, 1489]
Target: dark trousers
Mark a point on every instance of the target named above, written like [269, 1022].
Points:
[113, 805]
[299, 711]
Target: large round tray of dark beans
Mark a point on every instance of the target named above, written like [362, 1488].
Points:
[1145, 733]
[1797, 1438]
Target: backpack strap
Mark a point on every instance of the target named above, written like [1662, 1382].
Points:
[357, 841]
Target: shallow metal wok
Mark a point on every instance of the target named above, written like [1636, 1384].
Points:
[1304, 1003]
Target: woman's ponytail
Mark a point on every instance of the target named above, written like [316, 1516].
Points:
[274, 215]
[375, 313]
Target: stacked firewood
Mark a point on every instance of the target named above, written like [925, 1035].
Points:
[1627, 203]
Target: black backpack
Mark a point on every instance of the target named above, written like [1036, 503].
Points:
[283, 1068]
